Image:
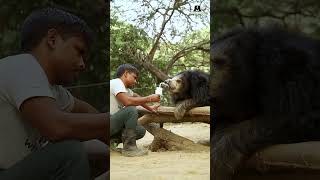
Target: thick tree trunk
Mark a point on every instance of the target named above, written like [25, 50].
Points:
[166, 140]
[302, 156]
[163, 118]
[154, 70]
[197, 113]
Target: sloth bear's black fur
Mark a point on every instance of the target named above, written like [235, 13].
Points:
[265, 88]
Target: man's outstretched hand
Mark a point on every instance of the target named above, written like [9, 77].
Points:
[154, 108]
[154, 98]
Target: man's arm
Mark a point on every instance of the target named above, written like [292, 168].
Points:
[136, 101]
[44, 115]
[149, 108]
[83, 107]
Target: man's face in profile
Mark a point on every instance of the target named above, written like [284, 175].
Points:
[131, 79]
[69, 55]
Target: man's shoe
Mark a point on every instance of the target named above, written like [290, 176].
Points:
[130, 148]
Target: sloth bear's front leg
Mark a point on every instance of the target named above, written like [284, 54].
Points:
[182, 107]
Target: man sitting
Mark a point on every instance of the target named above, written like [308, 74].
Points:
[124, 115]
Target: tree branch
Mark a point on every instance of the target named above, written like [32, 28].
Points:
[158, 36]
[141, 59]
[164, 139]
[184, 52]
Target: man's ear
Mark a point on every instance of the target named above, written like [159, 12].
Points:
[52, 36]
[125, 73]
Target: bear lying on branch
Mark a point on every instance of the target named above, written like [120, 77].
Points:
[265, 90]
[188, 89]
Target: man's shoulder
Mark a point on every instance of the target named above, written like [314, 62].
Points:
[117, 86]
[17, 61]
[17, 57]
[22, 67]
[116, 81]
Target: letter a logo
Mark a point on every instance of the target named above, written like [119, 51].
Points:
[197, 8]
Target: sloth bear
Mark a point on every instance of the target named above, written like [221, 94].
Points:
[188, 89]
[265, 90]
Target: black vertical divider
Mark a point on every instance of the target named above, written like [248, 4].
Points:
[107, 50]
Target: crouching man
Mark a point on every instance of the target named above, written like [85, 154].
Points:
[124, 115]
[45, 132]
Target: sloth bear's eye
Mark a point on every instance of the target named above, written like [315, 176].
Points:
[179, 81]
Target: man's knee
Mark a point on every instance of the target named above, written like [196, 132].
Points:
[131, 111]
[71, 150]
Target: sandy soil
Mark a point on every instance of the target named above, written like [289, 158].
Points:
[167, 165]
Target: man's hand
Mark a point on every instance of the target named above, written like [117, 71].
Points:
[154, 98]
[154, 108]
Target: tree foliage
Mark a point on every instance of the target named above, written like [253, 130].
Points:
[161, 39]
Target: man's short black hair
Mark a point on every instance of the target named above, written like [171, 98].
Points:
[37, 24]
[126, 67]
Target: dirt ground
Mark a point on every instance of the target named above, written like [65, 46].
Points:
[166, 165]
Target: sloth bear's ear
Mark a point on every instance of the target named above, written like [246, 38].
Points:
[198, 86]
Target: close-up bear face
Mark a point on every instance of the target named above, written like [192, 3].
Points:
[232, 64]
[175, 84]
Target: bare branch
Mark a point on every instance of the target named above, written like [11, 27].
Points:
[140, 58]
[158, 36]
[184, 52]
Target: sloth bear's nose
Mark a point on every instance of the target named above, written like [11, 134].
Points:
[163, 85]
[167, 81]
